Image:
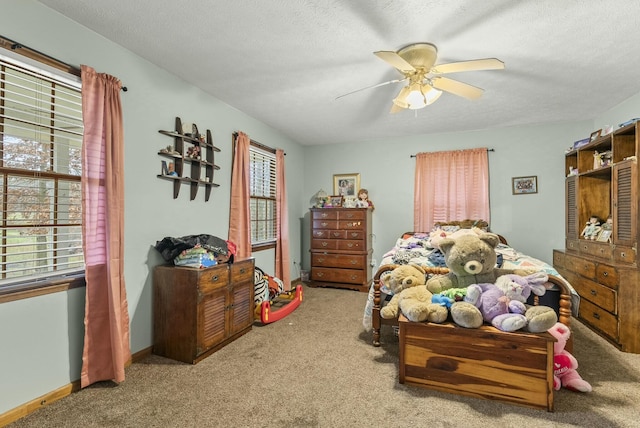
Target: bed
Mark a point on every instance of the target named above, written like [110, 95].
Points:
[415, 247]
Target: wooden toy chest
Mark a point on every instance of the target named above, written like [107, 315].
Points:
[515, 368]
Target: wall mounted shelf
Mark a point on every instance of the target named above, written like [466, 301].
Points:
[202, 165]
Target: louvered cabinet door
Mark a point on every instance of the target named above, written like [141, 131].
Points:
[211, 319]
[572, 207]
[625, 213]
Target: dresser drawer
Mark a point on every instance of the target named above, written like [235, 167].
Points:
[598, 294]
[351, 224]
[599, 318]
[558, 259]
[339, 261]
[324, 244]
[624, 254]
[329, 234]
[325, 224]
[213, 278]
[351, 245]
[348, 276]
[241, 271]
[607, 275]
[572, 244]
[355, 234]
[327, 214]
[601, 249]
[581, 266]
[351, 215]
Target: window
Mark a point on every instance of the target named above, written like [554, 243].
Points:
[262, 187]
[40, 167]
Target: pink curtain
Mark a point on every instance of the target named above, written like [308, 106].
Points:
[106, 320]
[240, 214]
[451, 186]
[282, 223]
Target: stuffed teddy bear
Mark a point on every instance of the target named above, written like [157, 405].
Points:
[503, 304]
[411, 297]
[565, 364]
[471, 259]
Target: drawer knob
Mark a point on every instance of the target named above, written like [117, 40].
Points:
[325, 215]
[320, 274]
[214, 278]
[353, 262]
[349, 245]
[324, 224]
[605, 273]
[596, 315]
[321, 259]
[594, 292]
[623, 254]
[324, 244]
[350, 215]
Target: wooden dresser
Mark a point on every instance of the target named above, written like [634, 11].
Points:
[198, 311]
[604, 270]
[341, 248]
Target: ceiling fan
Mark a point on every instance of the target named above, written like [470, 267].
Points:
[425, 82]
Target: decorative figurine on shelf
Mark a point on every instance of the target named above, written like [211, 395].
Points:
[592, 229]
[172, 169]
[608, 225]
[363, 199]
[193, 152]
[572, 171]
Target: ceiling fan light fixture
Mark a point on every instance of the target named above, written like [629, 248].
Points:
[422, 96]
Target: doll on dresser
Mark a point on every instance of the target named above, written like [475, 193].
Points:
[363, 199]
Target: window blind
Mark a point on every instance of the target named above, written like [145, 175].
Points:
[40, 167]
[262, 182]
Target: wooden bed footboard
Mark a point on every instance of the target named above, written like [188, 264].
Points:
[563, 305]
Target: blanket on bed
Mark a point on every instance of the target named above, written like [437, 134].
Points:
[418, 249]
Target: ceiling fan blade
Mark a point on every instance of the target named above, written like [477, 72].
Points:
[457, 88]
[395, 61]
[401, 99]
[472, 65]
[371, 87]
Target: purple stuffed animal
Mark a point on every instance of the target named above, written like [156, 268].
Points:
[503, 304]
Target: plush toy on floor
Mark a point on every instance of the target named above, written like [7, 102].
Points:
[564, 364]
[411, 297]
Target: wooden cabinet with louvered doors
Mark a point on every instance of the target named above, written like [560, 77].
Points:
[341, 248]
[604, 270]
[198, 311]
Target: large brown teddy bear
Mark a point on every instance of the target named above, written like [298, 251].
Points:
[411, 297]
[471, 259]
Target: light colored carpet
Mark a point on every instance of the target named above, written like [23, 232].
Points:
[317, 368]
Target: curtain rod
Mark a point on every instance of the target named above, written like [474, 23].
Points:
[41, 57]
[255, 143]
[489, 150]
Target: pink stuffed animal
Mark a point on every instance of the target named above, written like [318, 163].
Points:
[565, 364]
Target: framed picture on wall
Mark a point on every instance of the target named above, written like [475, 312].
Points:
[524, 185]
[346, 185]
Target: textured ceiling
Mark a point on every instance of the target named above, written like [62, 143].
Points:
[285, 62]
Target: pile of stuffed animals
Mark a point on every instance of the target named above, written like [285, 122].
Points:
[475, 291]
